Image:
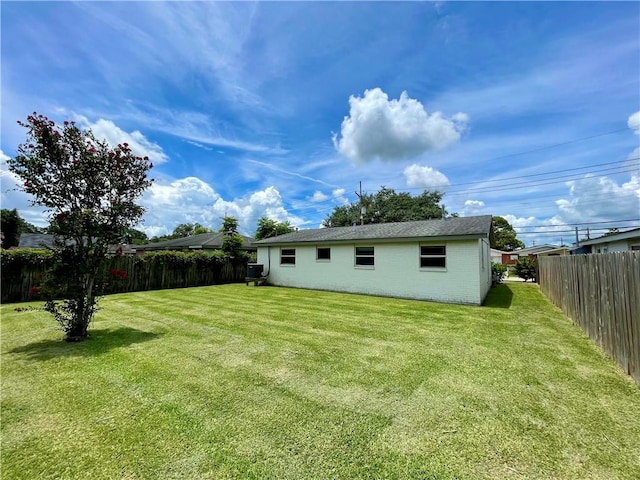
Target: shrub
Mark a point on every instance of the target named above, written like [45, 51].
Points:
[526, 268]
[498, 272]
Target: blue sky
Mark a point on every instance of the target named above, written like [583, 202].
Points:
[525, 110]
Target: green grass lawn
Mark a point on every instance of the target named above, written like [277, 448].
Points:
[243, 382]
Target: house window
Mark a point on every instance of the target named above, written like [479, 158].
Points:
[635, 247]
[287, 256]
[433, 256]
[364, 257]
[323, 253]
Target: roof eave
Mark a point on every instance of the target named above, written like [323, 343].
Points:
[436, 238]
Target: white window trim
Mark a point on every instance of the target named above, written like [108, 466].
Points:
[432, 269]
[355, 256]
[288, 265]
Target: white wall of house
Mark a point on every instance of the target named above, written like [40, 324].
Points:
[617, 246]
[465, 279]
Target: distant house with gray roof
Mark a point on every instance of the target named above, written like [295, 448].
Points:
[45, 240]
[445, 260]
[202, 241]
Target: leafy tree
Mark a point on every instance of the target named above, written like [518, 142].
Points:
[229, 225]
[503, 236]
[136, 237]
[268, 228]
[232, 241]
[388, 206]
[90, 191]
[188, 230]
[12, 225]
[525, 268]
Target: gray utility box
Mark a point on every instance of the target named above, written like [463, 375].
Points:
[254, 270]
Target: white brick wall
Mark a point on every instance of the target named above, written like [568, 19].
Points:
[396, 272]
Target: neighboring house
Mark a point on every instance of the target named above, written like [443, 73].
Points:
[202, 241]
[35, 240]
[555, 252]
[496, 255]
[617, 242]
[445, 260]
[45, 240]
[510, 258]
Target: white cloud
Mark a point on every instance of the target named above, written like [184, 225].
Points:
[12, 196]
[379, 128]
[472, 207]
[634, 122]
[109, 131]
[338, 194]
[190, 200]
[318, 196]
[600, 199]
[424, 177]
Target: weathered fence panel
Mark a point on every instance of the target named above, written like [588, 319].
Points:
[601, 294]
[17, 286]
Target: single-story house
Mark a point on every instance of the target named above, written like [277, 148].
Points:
[202, 241]
[45, 240]
[510, 258]
[555, 252]
[496, 255]
[444, 260]
[616, 242]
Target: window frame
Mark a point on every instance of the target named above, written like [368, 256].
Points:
[422, 255]
[359, 256]
[289, 256]
[325, 260]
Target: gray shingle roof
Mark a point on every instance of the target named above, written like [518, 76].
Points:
[449, 227]
[203, 240]
[35, 240]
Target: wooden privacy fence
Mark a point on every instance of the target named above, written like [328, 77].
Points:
[600, 293]
[139, 275]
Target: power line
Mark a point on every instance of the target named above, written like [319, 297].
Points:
[578, 224]
[529, 175]
[521, 185]
[558, 144]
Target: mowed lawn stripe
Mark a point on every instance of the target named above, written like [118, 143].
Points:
[241, 382]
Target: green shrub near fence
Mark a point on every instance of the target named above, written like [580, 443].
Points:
[22, 270]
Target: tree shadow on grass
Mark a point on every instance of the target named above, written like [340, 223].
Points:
[99, 342]
[499, 296]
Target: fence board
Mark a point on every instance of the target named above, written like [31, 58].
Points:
[140, 276]
[601, 294]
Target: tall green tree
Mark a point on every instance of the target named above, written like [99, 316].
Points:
[136, 237]
[232, 241]
[90, 191]
[503, 236]
[188, 230]
[268, 228]
[12, 225]
[387, 205]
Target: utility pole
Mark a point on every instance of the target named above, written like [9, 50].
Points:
[362, 208]
[577, 239]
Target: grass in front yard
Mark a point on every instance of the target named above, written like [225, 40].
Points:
[242, 382]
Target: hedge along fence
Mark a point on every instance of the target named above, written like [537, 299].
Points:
[22, 271]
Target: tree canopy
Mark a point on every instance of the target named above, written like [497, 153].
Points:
[90, 190]
[12, 225]
[388, 206]
[503, 236]
[268, 228]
